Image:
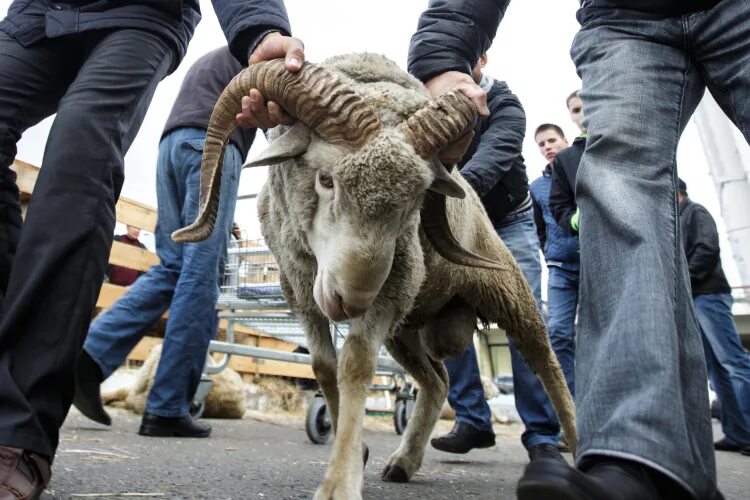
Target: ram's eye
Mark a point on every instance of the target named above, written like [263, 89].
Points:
[325, 180]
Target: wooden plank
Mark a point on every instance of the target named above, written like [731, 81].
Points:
[132, 257]
[142, 349]
[134, 213]
[109, 294]
[129, 211]
[26, 175]
[257, 366]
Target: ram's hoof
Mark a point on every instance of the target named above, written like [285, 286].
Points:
[365, 455]
[394, 474]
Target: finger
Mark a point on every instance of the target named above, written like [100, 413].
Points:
[477, 96]
[277, 114]
[295, 53]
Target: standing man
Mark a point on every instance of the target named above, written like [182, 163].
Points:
[185, 280]
[561, 254]
[495, 169]
[562, 195]
[728, 363]
[96, 64]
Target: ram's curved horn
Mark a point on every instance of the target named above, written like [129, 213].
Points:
[428, 130]
[313, 95]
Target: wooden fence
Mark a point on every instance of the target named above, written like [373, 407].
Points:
[137, 214]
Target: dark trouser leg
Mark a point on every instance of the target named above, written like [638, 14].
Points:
[32, 81]
[63, 249]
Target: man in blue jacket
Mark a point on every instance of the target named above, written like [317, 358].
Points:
[96, 63]
[561, 254]
[494, 167]
[642, 405]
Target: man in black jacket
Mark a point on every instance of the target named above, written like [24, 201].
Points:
[96, 63]
[728, 363]
[644, 66]
[562, 195]
[494, 167]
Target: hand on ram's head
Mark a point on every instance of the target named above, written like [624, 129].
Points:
[256, 113]
[464, 83]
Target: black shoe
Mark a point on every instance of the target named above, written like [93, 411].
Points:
[746, 451]
[545, 451]
[607, 479]
[156, 426]
[462, 438]
[87, 397]
[724, 444]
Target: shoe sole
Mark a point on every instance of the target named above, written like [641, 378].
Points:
[543, 490]
[151, 431]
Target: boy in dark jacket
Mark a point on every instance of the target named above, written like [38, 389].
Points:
[562, 195]
[494, 167]
[96, 64]
[728, 363]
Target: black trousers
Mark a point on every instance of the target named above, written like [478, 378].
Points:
[100, 84]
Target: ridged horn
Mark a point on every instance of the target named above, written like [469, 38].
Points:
[429, 130]
[439, 122]
[313, 95]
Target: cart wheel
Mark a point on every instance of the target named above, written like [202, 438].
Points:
[401, 414]
[318, 423]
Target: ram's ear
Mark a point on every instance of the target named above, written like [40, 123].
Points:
[292, 143]
[443, 183]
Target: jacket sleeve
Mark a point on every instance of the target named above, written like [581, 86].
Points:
[246, 22]
[703, 252]
[452, 34]
[541, 226]
[499, 146]
[562, 199]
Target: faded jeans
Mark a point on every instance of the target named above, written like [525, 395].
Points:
[184, 281]
[562, 304]
[640, 368]
[728, 364]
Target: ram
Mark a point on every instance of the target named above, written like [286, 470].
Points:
[367, 226]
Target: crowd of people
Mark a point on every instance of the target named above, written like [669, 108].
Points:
[613, 221]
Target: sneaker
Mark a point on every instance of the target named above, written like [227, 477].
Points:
[463, 438]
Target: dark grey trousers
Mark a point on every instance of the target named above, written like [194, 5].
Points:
[100, 84]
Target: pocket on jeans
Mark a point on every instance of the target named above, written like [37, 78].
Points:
[196, 144]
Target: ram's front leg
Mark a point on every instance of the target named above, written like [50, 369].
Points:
[357, 363]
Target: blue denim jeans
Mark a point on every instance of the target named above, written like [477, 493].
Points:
[466, 395]
[728, 364]
[640, 368]
[562, 303]
[184, 281]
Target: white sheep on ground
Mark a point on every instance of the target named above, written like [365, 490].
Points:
[366, 225]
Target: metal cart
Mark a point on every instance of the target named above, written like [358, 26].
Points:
[251, 295]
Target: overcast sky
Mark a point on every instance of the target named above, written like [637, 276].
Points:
[530, 52]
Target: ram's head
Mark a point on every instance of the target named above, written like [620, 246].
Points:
[369, 179]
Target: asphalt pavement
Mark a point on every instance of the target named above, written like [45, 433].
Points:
[268, 456]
